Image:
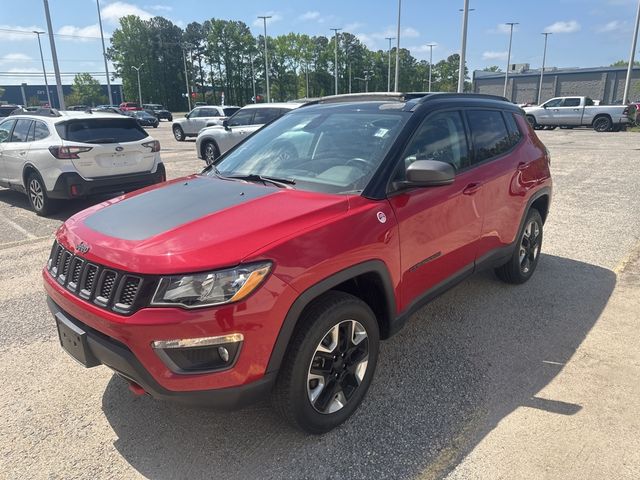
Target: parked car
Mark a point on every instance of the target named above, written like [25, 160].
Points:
[576, 112]
[107, 109]
[145, 119]
[268, 276]
[158, 111]
[199, 118]
[214, 141]
[78, 108]
[129, 106]
[5, 110]
[66, 155]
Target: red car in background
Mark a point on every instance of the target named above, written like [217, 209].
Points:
[130, 107]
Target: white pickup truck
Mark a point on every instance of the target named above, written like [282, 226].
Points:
[576, 112]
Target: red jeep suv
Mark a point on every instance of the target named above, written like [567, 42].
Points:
[278, 269]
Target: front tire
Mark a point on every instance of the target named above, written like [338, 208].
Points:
[178, 133]
[330, 363]
[210, 152]
[38, 198]
[526, 254]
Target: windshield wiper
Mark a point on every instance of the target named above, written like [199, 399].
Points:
[254, 177]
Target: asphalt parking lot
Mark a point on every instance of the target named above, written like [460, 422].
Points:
[488, 381]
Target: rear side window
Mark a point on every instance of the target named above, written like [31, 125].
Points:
[571, 102]
[230, 111]
[266, 115]
[101, 130]
[242, 117]
[489, 134]
[21, 131]
[209, 112]
[41, 131]
[512, 127]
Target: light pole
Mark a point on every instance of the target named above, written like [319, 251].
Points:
[253, 78]
[266, 56]
[506, 72]
[335, 31]
[44, 71]
[389, 66]
[54, 57]
[430, 45]
[544, 59]
[186, 77]
[137, 69]
[104, 54]
[627, 83]
[463, 49]
[397, 78]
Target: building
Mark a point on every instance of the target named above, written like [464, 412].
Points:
[26, 94]
[603, 83]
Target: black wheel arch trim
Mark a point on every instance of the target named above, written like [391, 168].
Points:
[304, 299]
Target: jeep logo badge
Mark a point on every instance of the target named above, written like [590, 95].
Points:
[82, 247]
[119, 149]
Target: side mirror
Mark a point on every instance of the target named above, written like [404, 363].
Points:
[428, 173]
[225, 124]
[544, 106]
[186, 115]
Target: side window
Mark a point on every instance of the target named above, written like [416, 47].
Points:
[554, 102]
[243, 117]
[489, 134]
[588, 102]
[195, 113]
[209, 112]
[21, 131]
[5, 130]
[266, 115]
[571, 102]
[512, 127]
[41, 131]
[440, 137]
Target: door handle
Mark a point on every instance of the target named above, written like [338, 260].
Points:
[472, 188]
[556, 110]
[23, 153]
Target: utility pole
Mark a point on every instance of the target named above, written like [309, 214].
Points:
[389, 64]
[430, 45]
[186, 77]
[463, 49]
[544, 59]
[104, 55]
[395, 88]
[54, 57]
[137, 69]
[627, 83]
[307, 75]
[506, 72]
[335, 69]
[266, 56]
[44, 71]
[253, 78]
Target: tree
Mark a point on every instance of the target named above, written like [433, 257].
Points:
[85, 90]
[625, 63]
[1, 92]
[492, 68]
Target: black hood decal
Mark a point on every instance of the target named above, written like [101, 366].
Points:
[151, 213]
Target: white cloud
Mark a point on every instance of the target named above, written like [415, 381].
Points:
[612, 26]
[563, 27]
[16, 36]
[114, 11]
[378, 39]
[159, 8]
[422, 48]
[494, 55]
[352, 27]
[311, 15]
[502, 28]
[78, 33]
[275, 17]
[12, 57]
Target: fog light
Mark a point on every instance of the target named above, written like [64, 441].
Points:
[224, 354]
[198, 355]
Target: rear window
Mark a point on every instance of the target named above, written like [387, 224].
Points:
[230, 111]
[101, 130]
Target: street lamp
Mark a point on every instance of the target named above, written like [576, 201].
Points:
[627, 83]
[186, 77]
[44, 71]
[137, 69]
[544, 59]
[430, 45]
[367, 77]
[335, 31]
[104, 54]
[506, 72]
[463, 49]
[397, 79]
[266, 55]
[54, 56]
[389, 69]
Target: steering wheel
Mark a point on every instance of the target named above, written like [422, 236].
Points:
[360, 162]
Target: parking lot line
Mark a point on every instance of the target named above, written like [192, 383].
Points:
[13, 224]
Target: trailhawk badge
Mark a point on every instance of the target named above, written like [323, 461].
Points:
[82, 247]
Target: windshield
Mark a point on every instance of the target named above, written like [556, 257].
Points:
[325, 151]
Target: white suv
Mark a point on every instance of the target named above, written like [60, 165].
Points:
[215, 140]
[199, 118]
[55, 155]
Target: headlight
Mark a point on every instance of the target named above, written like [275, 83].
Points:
[210, 288]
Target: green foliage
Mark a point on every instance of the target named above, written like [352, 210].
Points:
[625, 63]
[85, 91]
[1, 92]
[492, 68]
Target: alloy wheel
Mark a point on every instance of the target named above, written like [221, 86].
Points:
[338, 366]
[209, 153]
[529, 246]
[36, 194]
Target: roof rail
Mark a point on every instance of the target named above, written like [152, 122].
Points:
[41, 112]
[420, 97]
[438, 95]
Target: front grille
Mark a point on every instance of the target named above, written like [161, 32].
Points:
[105, 287]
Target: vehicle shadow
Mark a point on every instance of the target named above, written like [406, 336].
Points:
[461, 364]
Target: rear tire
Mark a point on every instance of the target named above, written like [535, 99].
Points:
[38, 198]
[329, 363]
[602, 124]
[178, 133]
[526, 254]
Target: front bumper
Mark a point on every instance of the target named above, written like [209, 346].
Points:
[104, 185]
[104, 350]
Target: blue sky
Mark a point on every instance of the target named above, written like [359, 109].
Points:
[586, 33]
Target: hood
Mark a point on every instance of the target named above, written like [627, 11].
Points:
[194, 224]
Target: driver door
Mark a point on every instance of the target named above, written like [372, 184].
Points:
[237, 128]
[549, 115]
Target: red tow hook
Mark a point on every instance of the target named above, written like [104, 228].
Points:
[136, 389]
